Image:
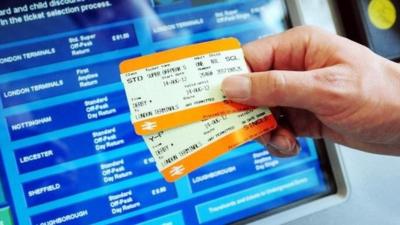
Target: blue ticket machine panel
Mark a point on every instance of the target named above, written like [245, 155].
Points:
[69, 154]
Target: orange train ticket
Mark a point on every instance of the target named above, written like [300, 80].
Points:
[181, 150]
[181, 86]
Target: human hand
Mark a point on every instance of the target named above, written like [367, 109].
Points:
[325, 86]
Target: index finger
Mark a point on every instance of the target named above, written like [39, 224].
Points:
[284, 51]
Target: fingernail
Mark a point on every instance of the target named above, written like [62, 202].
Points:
[283, 144]
[237, 87]
[263, 141]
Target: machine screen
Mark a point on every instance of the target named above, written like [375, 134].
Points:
[69, 154]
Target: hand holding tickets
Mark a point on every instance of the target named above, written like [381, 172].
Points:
[181, 89]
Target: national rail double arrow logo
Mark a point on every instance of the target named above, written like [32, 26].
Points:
[149, 125]
[177, 170]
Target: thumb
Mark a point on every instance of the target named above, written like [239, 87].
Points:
[275, 88]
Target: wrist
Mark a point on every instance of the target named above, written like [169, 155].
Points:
[394, 74]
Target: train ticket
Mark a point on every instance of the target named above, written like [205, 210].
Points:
[181, 86]
[181, 150]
